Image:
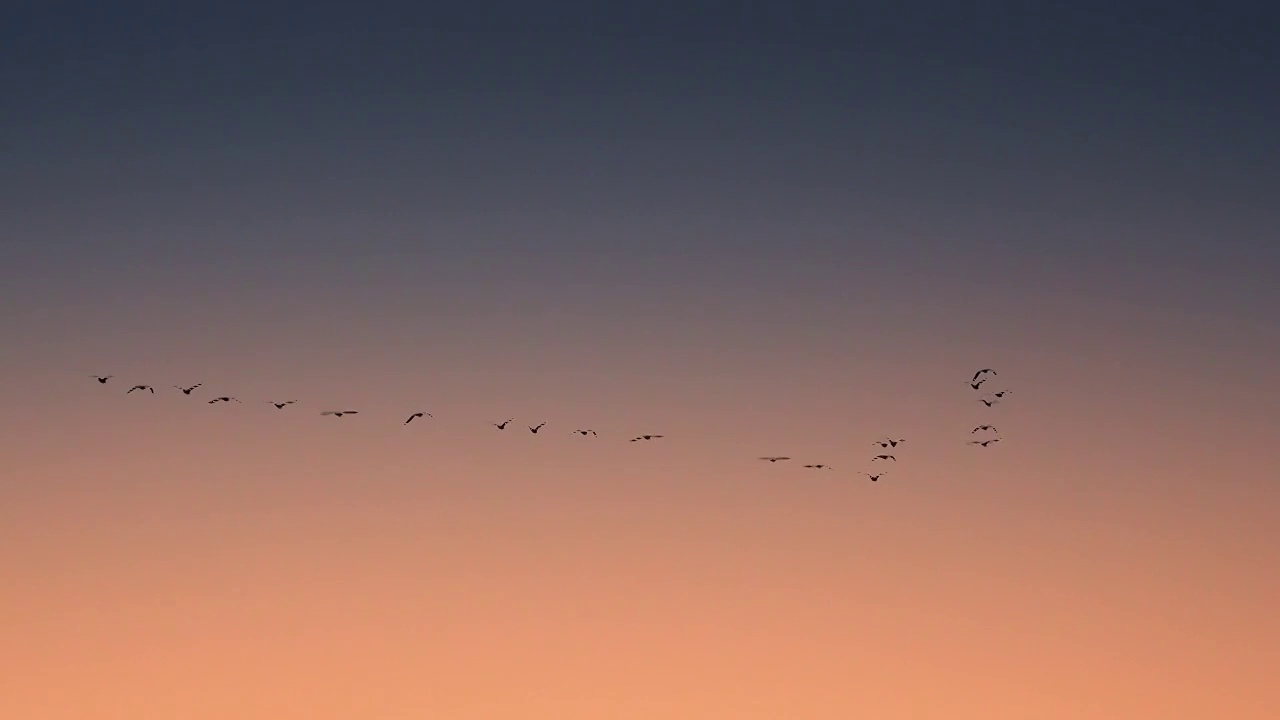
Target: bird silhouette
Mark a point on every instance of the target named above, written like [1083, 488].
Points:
[340, 413]
[775, 458]
[583, 432]
[102, 378]
[1001, 394]
[187, 390]
[535, 428]
[984, 443]
[224, 399]
[280, 405]
[984, 371]
[417, 415]
[987, 402]
[877, 476]
[819, 467]
[992, 428]
[975, 384]
[884, 457]
[645, 437]
[889, 442]
[141, 387]
[503, 425]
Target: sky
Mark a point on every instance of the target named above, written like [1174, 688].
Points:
[753, 228]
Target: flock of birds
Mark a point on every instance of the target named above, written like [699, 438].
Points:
[989, 434]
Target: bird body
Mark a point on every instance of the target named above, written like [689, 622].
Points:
[224, 399]
[876, 476]
[884, 457]
[339, 413]
[775, 458]
[281, 405]
[984, 371]
[819, 466]
[417, 415]
[187, 390]
[102, 379]
[984, 443]
[141, 387]
[645, 437]
[992, 428]
[889, 442]
[503, 425]
[535, 428]
[584, 432]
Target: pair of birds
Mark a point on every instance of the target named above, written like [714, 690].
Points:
[822, 466]
[976, 382]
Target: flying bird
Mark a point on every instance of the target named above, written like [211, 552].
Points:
[775, 458]
[645, 437]
[982, 372]
[884, 457]
[819, 467]
[503, 425]
[1001, 394]
[583, 432]
[889, 442]
[280, 405]
[987, 402]
[535, 428]
[224, 398]
[984, 443]
[141, 387]
[339, 413]
[417, 415]
[992, 428]
[102, 378]
[187, 390]
[877, 476]
[975, 384]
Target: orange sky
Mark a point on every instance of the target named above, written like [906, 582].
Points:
[164, 558]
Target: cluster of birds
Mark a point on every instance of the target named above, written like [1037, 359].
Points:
[990, 436]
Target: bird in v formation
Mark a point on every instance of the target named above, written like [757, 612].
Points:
[976, 382]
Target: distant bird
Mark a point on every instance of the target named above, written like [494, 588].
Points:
[775, 458]
[992, 428]
[339, 413]
[417, 415]
[102, 378]
[645, 437]
[280, 405]
[1001, 394]
[535, 428]
[583, 432]
[503, 425]
[984, 371]
[889, 442]
[819, 467]
[987, 402]
[984, 443]
[224, 398]
[877, 476]
[187, 390]
[884, 457]
[975, 384]
[141, 387]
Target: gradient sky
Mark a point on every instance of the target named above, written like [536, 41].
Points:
[756, 228]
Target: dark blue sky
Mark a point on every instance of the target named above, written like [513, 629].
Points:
[1083, 144]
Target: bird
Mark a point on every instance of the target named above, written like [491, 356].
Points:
[987, 402]
[1001, 394]
[884, 457]
[280, 405]
[187, 390]
[535, 428]
[889, 442]
[141, 387]
[224, 398]
[984, 443]
[417, 415]
[975, 384]
[339, 413]
[645, 437]
[992, 428]
[102, 379]
[775, 458]
[583, 432]
[819, 467]
[503, 425]
[984, 371]
[877, 476]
